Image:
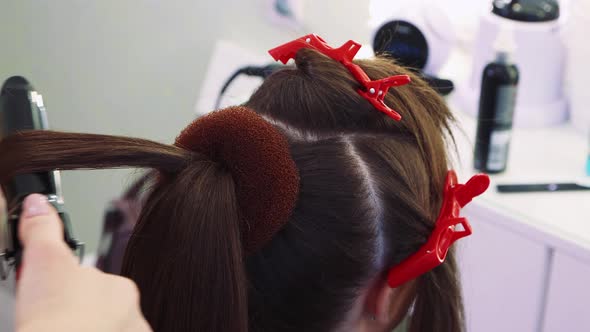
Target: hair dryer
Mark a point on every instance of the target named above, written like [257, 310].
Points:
[21, 108]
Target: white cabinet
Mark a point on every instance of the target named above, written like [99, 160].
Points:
[503, 274]
[568, 299]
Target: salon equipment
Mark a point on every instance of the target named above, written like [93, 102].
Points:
[541, 187]
[496, 109]
[578, 66]
[420, 40]
[537, 26]
[257, 71]
[119, 220]
[22, 108]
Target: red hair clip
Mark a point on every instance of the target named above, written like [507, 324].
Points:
[446, 230]
[373, 91]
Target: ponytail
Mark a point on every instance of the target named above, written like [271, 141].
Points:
[186, 254]
[438, 306]
[37, 151]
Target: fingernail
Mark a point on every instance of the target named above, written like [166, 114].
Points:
[35, 205]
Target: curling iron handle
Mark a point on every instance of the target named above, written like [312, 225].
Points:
[16, 253]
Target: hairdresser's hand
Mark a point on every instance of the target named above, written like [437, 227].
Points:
[55, 294]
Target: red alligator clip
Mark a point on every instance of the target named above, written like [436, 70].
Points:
[446, 230]
[373, 91]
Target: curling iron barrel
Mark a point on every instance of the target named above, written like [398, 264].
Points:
[21, 109]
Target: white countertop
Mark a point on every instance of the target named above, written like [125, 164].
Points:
[536, 156]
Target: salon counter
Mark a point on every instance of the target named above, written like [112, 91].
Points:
[527, 265]
[537, 156]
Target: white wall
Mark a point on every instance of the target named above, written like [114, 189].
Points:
[131, 67]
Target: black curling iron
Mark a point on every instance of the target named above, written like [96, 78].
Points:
[22, 108]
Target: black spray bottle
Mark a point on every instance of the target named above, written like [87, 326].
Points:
[496, 108]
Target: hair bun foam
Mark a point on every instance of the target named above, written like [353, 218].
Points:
[259, 159]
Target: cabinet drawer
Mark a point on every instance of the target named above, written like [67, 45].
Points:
[503, 274]
[568, 300]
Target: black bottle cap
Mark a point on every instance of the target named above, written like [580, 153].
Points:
[527, 10]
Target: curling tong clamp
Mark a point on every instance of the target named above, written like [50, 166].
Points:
[4, 267]
[11, 257]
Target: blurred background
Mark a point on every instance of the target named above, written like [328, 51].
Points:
[136, 67]
[146, 68]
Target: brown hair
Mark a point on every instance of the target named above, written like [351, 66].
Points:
[370, 191]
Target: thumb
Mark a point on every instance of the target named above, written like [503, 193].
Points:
[41, 231]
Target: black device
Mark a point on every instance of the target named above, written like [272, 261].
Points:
[527, 10]
[256, 71]
[404, 42]
[542, 187]
[496, 110]
[22, 108]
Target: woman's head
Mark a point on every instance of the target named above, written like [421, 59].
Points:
[371, 189]
[369, 192]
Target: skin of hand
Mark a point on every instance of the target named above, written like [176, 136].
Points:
[54, 293]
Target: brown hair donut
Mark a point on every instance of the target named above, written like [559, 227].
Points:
[258, 157]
